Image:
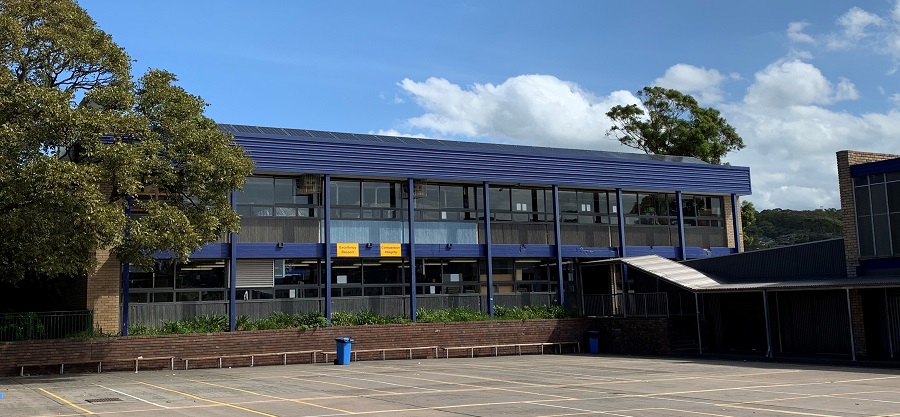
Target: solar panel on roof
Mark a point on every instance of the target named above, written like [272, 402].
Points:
[392, 139]
[371, 138]
[271, 131]
[320, 134]
[340, 135]
[297, 132]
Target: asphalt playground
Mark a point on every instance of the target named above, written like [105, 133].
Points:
[520, 386]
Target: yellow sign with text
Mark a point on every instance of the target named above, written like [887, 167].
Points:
[348, 250]
[389, 250]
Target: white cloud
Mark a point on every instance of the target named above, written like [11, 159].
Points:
[703, 84]
[795, 33]
[861, 28]
[895, 99]
[533, 109]
[792, 83]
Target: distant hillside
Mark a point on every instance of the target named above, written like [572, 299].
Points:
[778, 227]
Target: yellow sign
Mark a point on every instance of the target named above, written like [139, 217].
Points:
[390, 250]
[348, 249]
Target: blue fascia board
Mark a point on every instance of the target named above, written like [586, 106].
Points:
[275, 154]
[880, 263]
[872, 168]
[317, 250]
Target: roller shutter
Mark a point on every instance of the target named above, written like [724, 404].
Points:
[255, 273]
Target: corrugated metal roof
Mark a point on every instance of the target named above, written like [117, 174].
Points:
[694, 280]
[820, 260]
[242, 129]
[473, 162]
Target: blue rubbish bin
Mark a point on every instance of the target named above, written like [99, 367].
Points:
[593, 337]
[342, 348]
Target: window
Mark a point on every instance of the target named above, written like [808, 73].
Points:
[877, 202]
[445, 202]
[278, 197]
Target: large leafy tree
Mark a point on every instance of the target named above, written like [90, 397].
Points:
[672, 123]
[81, 143]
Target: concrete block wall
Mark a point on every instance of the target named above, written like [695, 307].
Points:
[848, 205]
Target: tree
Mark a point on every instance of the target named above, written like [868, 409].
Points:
[748, 217]
[81, 143]
[672, 123]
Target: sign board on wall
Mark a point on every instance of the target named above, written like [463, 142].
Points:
[347, 250]
[389, 250]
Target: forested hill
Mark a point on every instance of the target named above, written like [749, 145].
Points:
[778, 227]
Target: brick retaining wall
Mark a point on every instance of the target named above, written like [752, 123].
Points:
[635, 336]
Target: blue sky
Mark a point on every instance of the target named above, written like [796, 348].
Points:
[799, 80]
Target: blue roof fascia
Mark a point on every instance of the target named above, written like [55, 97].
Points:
[289, 154]
[872, 168]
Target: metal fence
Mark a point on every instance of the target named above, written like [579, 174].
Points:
[655, 304]
[45, 325]
[155, 314]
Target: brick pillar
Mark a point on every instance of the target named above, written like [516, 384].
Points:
[858, 322]
[103, 292]
[848, 205]
[729, 222]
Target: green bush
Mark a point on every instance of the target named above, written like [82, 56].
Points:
[448, 315]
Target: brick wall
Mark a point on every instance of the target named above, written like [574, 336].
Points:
[729, 223]
[858, 323]
[641, 336]
[848, 206]
[273, 341]
[103, 293]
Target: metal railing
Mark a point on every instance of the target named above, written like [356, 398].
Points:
[45, 325]
[655, 304]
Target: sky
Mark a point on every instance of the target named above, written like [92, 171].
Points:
[799, 80]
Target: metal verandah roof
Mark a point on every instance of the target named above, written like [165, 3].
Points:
[696, 281]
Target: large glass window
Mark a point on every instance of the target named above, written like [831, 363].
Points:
[197, 280]
[365, 200]
[877, 202]
[446, 202]
[279, 197]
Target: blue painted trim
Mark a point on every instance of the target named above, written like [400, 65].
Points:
[208, 251]
[488, 247]
[680, 219]
[880, 263]
[232, 273]
[560, 290]
[736, 220]
[878, 167]
[278, 154]
[326, 228]
[126, 276]
[411, 218]
[581, 252]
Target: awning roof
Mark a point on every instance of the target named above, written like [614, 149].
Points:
[697, 281]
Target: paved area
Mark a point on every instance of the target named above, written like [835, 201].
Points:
[521, 386]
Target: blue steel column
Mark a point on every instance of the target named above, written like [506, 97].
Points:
[487, 245]
[620, 213]
[126, 276]
[232, 272]
[681, 240]
[559, 265]
[326, 230]
[411, 219]
[736, 219]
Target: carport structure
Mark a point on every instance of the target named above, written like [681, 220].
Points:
[791, 301]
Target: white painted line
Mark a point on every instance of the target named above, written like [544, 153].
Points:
[386, 383]
[132, 396]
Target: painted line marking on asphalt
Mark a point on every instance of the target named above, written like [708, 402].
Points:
[132, 396]
[208, 400]
[339, 384]
[67, 402]
[389, 383]
[274, 397]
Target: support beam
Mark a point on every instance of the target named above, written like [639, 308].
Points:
[126, 277]
[232, 272]
[561, 292]
[487, 244]
[620, 214]
[699, 333]
[765, 295]
[736, 221]
[680, 213]
[852, 337]
[411, 224]
[326, 230]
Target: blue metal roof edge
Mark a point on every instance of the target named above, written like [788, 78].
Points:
[878, 167]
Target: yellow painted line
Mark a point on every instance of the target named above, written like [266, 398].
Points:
[274, 397]
[340, 385]
[208, 400]
[86, 411]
